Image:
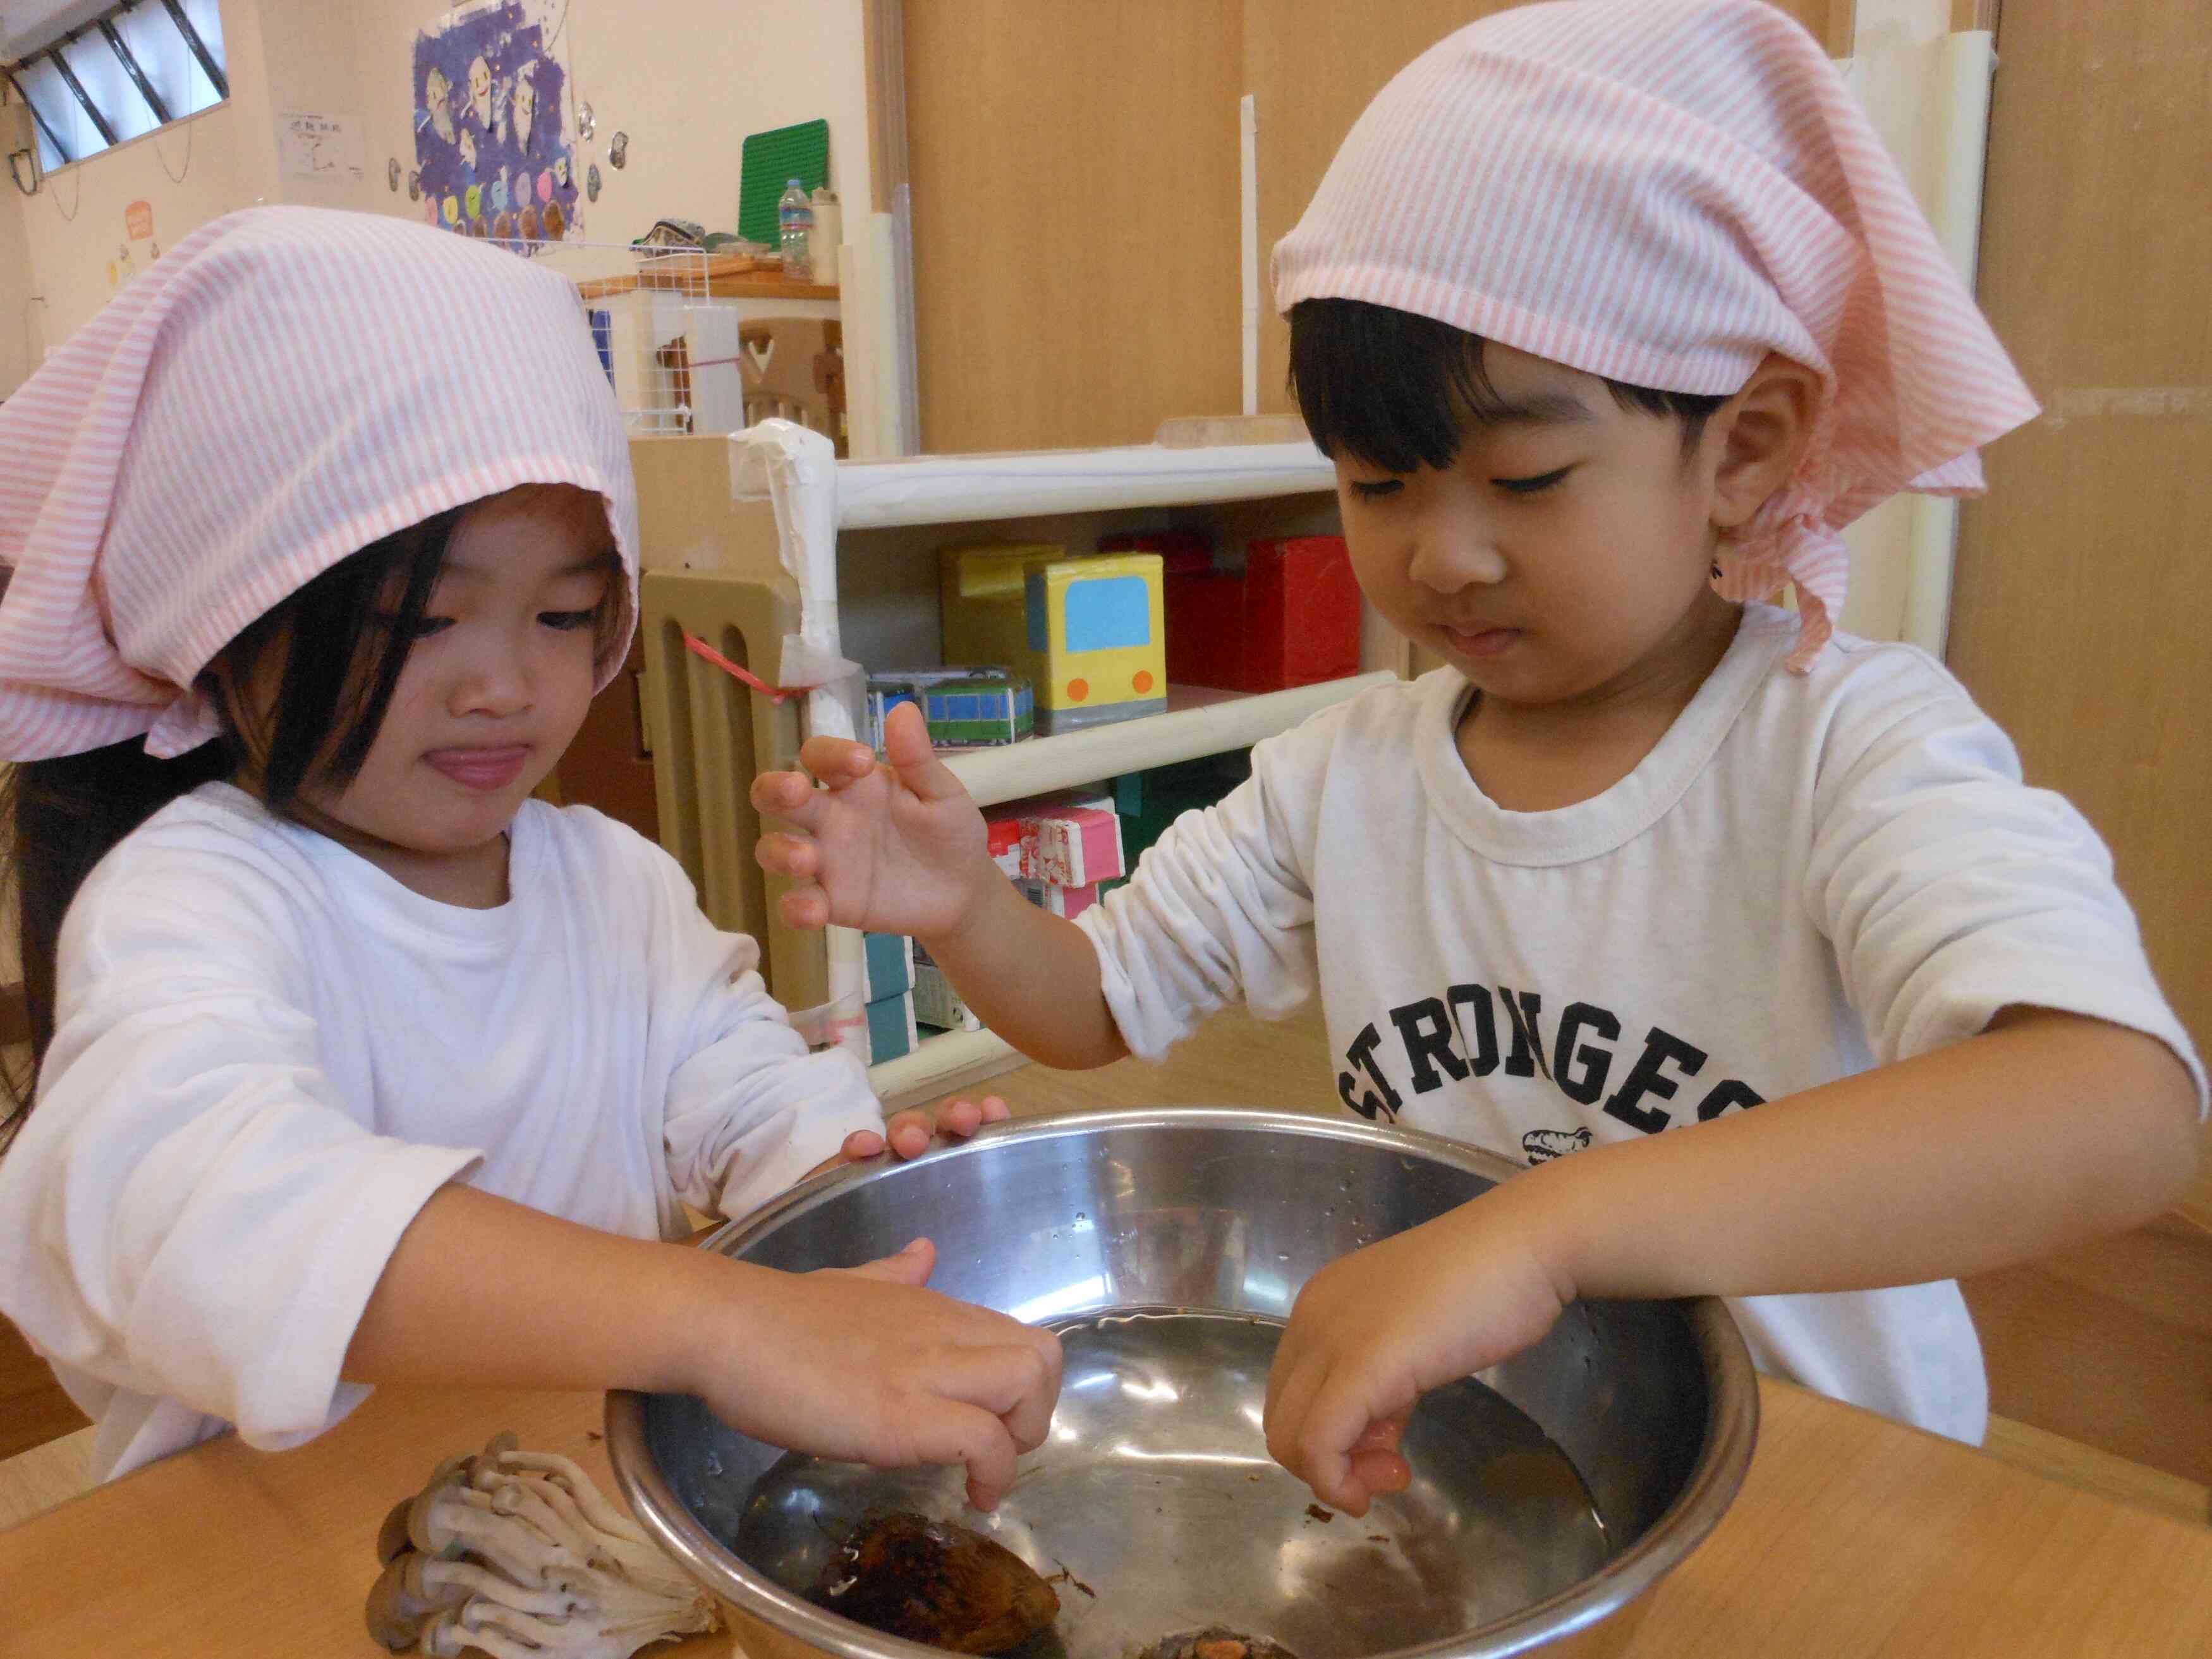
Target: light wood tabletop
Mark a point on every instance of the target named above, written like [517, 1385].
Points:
[1851, 1536]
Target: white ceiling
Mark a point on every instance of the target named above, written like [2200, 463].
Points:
[26, 25]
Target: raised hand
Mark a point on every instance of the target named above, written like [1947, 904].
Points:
[893, 847]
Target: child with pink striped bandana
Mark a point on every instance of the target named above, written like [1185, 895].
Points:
[353, 1062]
[1745, 934]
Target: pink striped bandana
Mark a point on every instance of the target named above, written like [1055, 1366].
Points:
[1662, 192]
[286, 386]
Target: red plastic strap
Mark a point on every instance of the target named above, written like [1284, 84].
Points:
[699, 647]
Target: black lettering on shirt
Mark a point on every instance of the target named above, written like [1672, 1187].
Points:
[1647, 1078]
[1528, 1056]
[1725, 1095]
[1482, 1052]
[1425, 1029]
[1362, 1055]
[1593, 1061]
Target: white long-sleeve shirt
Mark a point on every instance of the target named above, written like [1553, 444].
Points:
[269, 1053]
[1806, 877]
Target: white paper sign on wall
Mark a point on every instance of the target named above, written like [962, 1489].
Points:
[331, 147]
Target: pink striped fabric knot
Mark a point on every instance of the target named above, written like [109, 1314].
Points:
[1663, 192]
[283, 387]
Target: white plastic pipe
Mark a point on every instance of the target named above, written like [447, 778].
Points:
[1966, 62]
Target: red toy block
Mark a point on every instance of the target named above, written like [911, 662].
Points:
[1292, 618]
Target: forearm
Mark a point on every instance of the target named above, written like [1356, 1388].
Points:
[1991, 1151]
[483, 1292]
[1032, 977]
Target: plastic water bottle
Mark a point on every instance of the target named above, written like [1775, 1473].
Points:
[794, 214]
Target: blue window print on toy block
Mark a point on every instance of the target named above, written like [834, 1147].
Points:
[1103, 613]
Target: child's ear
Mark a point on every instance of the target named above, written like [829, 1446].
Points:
[1761, 433]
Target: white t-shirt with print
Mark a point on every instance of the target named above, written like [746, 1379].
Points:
[1804, 877]
[269, 1053]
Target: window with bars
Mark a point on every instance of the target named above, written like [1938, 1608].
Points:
[135, 67]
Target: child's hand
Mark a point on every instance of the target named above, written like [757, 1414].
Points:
[893, 849]
[863, 1365]
[910, 1134]
[1375, 1330]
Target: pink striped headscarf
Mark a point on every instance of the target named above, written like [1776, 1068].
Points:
[283, 387]
[1662, 192]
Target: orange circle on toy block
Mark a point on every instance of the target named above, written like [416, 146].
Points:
[1144, 680]
[1078, 690]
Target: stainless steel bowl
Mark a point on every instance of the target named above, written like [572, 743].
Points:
[1168, 1247]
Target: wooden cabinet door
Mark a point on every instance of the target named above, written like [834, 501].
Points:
[1075, 170]
[2084, 590]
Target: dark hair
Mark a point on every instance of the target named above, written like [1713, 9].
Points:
[1397, 391]
[342, 659]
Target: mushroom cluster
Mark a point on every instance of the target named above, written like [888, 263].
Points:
[517, 1554]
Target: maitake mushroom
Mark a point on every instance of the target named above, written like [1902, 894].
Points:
[516, 1554]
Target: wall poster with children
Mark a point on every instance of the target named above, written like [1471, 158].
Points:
[491, 141]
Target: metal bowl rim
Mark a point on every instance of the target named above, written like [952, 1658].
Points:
[1730, 1432]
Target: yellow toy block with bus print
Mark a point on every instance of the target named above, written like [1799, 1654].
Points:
[1088, 630]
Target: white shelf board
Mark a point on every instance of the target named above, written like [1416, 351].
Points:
[939, 1063]
[963, 488]
[1198, 722]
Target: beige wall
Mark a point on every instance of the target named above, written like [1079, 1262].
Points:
[21, 314]
[685, 79]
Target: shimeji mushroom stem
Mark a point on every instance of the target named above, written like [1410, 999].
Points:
[517, 1554]
[579, 1486]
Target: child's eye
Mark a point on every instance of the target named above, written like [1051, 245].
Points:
[1532, 486]
[568, 622]
[425, 626]
[1376, 489]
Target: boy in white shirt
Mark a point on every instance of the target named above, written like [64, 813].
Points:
[1745, 934]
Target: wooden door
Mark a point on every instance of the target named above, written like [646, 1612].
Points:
[1075, 176]
[1073, 167]
[2084, 586]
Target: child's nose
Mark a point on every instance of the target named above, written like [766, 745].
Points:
[492, 686]
[1447, 556]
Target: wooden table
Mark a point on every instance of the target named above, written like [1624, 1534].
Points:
[1851, 1536]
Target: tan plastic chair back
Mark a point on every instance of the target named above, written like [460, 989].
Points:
[710, 733]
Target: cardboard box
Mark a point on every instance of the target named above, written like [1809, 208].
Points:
[1085, 630]
[1290, 616]
[936, 1003]
[890, 958]
[1071, 839]
[891, 1028]
[964, 707]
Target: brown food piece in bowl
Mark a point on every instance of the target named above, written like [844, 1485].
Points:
[1215, 1642]
[930, 1581]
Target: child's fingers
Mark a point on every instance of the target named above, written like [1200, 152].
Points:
[910, 1267]
[805, 908]
[782, 854]
[1382, 1472]
[952, 1431]
[780, 792]
[906, 746]
[909, 1135]
[837, 761]
[996, 1110]
[860, 1146]
[960, 1118]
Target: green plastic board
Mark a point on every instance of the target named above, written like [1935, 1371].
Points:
[768, 162]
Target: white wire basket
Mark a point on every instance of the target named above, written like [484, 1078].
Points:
[682, 359]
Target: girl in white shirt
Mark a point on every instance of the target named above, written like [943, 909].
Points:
[353, 1062]
[1747, 935]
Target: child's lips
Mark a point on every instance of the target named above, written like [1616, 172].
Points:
[489, 770]
[1484, 642]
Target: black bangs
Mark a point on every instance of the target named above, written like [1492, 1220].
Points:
[1397, 391]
